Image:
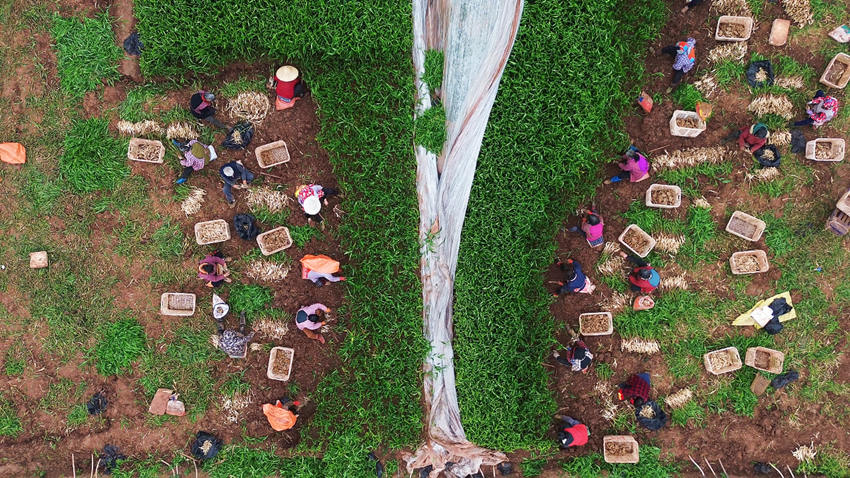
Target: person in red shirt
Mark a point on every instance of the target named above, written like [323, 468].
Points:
[753, 138]
[571, 432]
[288, 87]
[643, 278]
[635, 389]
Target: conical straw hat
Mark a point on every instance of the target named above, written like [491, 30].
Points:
[287, 73]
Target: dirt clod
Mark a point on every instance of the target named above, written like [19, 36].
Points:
[762, 359]
[836, 72]
[742, 227]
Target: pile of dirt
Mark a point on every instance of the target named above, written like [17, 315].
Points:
[619, 448]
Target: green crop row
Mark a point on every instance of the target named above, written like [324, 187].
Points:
[93, 159]
[355, 57]
[549, 131]
[85, 53]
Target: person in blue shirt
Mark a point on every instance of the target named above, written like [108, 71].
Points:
[576, 281]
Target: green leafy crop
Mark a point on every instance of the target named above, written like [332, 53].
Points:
[93, 158]
[86, 54]
[121, 343]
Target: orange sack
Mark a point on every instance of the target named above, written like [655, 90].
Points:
[279, 418]
[13, 153]
[320, 263]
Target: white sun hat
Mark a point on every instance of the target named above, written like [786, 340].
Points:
[312, 205]
[286, 73]
[220, 308]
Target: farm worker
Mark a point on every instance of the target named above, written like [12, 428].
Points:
[282, 415]
[288, 86]
[234, 343]
[213, 269]
[821, 109]
[591, 226]
[576, 280]
[685, 53]
[319, 268]
[309, 318]
[634, 166]
[753, 138]
[571, 432]
[578, 357]
[643, 278]
[235, 175]
[690, 4]
[195, 156]
[311, 197]
[635, 389]
[200, 105]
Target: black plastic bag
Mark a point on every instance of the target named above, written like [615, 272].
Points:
[798, 142]
[505, 468]
[763, 160]
[753, 70]
[780, 381]
[424, 472]
[780, 307]
[97, 404]
[206, 446]
[110, 458]
[239, 136]
[762, 468]
[657, 421]
[133, 44]
[773, 326]
[245, 226]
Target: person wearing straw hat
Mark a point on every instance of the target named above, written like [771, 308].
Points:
[288, 87]
[200, 105]
[311, 197]
[195, 156]
[235, 175]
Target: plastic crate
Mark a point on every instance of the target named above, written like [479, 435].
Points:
[779, 32]
[582, 319]
[838, 223]
[136, 143]
[745, 226]
[177, 303]
[838, 61]
[273, 356]
[837, 153]
[263, 240]
[745, 22]
[646, 250]
[735, 262]
[775, 359]
[272, 154]
[633, 456]
[683, 132]
[661, 187]
[216, 230]
[843, 204]
[734, 361]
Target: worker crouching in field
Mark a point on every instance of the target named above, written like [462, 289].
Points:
[635, 389]
[283, 414]
[571, 432]
[685, 58]
[309, 319]
[576, 281]
[233, 342]
[753, 138]
[213, 269]
[311, 197]
[634, 166]
[195, 156]
[821, 109]
[592, 226]
[235, 175]
[288, 87]
[643, 278]
[200, 105]
[578, 357]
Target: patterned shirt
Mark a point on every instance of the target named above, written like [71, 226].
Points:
[686, 56]
[233, 343]
[822, 109]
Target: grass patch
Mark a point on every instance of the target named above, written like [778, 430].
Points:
[121, 344]
[15, 363]
[433, 74]
[93, 159]
[86, 54]
[245, 83]
[650, 466]
[431, 129]
[729, 72]
[301, 235]
[169, 241]
[138, 103]
[686, 96]
[249, 298]
[689, 178]
[10, 423]
[78, 415]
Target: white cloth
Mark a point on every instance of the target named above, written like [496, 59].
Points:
[762, 315]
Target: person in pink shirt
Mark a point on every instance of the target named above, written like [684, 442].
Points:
[634, 166]
[309, 318]
[213, 270]
[592, 226]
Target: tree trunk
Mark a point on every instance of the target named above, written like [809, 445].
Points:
[477, 37]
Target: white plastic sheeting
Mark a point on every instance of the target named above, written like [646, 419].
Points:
[476, 37]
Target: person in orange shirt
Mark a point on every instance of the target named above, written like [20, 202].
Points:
[282, 415]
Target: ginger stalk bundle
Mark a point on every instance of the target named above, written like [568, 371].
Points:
[616, 302]
[728, 51]
[690, 157]
[668, 243]
[269, 271]
[679, 399]
[675, 282]
[192, 203]
[772, 104]
[271, 199]
[250, 106]
[181, 131]
[639, 346]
